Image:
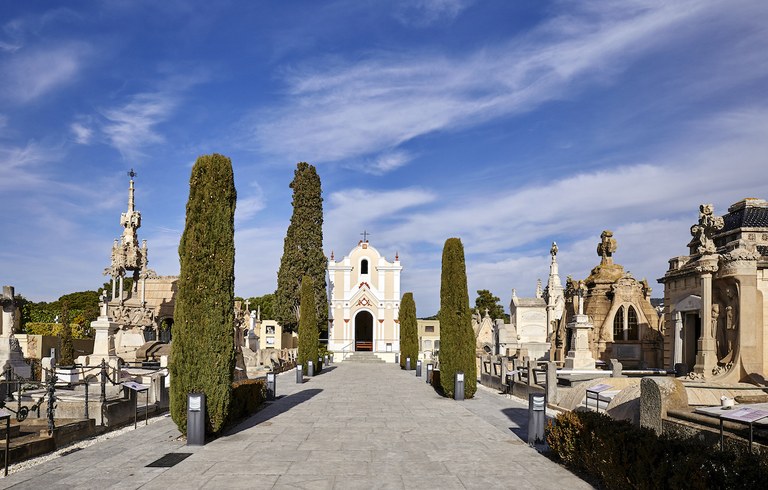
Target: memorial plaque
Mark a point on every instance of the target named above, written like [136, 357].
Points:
[746, 415]
[599, 388]
[135, 386]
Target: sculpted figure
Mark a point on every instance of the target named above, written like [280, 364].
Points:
[606, 247]
[708, 225]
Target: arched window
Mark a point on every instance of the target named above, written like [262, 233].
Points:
[632, 327]
[618, 324]
[364, 267]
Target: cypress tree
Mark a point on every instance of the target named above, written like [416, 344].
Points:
[308, 333]
[457, 339]
[409, 332]
[202, 351]
[303, 251]
[67, 357]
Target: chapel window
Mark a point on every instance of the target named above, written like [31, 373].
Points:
[618, 324]
[632, 327]
[364, 267]
[429, 328]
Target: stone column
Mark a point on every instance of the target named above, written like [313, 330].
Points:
[706, 357]
[678, 332]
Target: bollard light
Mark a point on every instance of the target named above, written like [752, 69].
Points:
[195, 419]
[271, 386]
[458, 386]
[299, 374]
[430, 371]
[407, 363]
[418, 368]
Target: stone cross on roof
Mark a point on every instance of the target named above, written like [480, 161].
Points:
[365, 236]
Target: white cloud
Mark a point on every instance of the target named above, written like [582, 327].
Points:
[81, 133]
[33, 72]
[421, 13]
[131, 126]
[388, 161]
[337, 110]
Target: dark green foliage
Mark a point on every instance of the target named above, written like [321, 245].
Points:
[409, 332]
[247, 397]
[487, 301]
[202, 351]
[308, 333]
[303, 251]
[83, 308]
[457, 339]
[266, 303]
[67, 357]
[619, 455]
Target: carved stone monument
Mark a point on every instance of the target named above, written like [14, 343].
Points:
[580, 355]
[10, 351]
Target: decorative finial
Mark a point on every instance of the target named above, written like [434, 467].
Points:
[554, 249]
[397, 256]
[131, 174]
[606, 247]
[332, 255]
[365, 236]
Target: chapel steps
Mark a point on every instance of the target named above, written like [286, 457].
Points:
[364, 357]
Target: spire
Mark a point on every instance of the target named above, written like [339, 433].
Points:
[554, 287]
[538, 288]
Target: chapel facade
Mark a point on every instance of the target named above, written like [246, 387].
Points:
[364, 303]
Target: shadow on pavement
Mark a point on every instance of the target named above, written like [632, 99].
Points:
[520, 418]
[273, 409]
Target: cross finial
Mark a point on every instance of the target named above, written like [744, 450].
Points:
[131, 174]
[365, 236]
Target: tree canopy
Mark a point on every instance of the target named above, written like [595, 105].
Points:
[487, 301]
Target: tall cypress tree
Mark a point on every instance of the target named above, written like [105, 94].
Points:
[457, 339]
[308, 333]
[67, 357]
[409, 332]
[202, 351]
[303, 251]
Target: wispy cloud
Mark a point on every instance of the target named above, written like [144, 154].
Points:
[421, 13]
[82, 134]
[30, 73]
[337, 110]
[131, 126]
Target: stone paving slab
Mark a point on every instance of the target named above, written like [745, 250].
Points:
[353, 426]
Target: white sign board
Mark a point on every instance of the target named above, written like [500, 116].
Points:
[194, 403]
[135, 386]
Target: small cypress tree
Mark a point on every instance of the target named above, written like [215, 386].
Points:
[67, 357]
[409, 331]
[457, 340]
[203, 351]
[303, 251]
[308, 333]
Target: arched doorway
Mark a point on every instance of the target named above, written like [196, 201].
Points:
[364, 331]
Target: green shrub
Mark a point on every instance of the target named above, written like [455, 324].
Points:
[619, 455]
[54, 329]
[247, 397]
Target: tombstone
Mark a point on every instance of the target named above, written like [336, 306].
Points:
[10, 350]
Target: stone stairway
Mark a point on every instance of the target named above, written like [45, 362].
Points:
[364, 357]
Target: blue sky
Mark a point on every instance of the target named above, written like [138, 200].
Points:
[506, 123]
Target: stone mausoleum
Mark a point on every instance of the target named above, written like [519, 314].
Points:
[714, 297]
[364, 303]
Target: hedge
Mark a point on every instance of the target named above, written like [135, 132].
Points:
[247, 397]
[617, 454]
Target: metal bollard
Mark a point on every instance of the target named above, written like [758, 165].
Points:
[310, 369]
[196, 419]
[407, 363]
[271, 386]
[327, 363]
[430, 370]
[458, 386]
[418, 368]
[299, 374]
[537, 418]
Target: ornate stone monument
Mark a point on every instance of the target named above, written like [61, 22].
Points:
[580, 355]
[10, 351]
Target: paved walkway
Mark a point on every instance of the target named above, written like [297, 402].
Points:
[354, 426]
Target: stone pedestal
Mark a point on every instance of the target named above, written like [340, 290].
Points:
[10, 354]
[104, 339]
[580, 355]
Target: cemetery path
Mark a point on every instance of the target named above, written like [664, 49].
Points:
[353, 426]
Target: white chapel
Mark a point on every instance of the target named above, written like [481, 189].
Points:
[364, 303]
